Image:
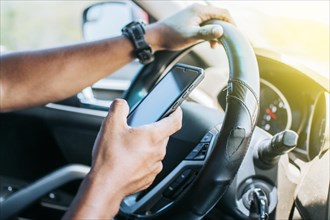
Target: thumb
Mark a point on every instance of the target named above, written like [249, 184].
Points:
[118, 112]
[168, 125]
[210, 32]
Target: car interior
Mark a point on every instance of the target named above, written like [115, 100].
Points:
[254, 142]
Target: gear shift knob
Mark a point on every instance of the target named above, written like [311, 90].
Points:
[269, 151]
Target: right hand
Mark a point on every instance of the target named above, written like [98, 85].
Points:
[131, 157]
[184, 28]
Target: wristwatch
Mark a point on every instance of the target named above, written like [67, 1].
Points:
[135, 31]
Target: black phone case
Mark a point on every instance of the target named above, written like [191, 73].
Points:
[184, 94]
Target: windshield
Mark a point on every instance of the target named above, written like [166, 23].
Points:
[298, 29]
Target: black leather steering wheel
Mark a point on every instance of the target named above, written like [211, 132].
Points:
[233, 140]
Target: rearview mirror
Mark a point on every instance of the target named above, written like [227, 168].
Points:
[103, 20]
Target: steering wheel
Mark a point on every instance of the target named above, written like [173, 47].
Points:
[230, 144]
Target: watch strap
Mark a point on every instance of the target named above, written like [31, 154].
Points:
[135, 31]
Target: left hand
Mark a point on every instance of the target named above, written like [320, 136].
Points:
[124, 160]
[183, 29]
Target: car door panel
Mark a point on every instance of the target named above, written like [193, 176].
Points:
[39, 140]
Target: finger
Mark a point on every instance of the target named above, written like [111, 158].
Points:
[118, 112]
[214, 43]
[209, 12]
[168, 125]
[210, 32]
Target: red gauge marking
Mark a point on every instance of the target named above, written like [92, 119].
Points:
[270, 113]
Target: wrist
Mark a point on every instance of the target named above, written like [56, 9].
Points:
[95, 200]
[110, 184]
[154, 36]
[98, 198]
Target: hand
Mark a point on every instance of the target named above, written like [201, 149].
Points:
[125, 160]
[183, 29]
[128, 159]
[134, 155]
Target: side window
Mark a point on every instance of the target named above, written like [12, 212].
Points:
[103, 20]
[31, 25]
[106, 19]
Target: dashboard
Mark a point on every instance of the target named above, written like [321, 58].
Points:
[276, 115]
[275, 112]
[292, 97]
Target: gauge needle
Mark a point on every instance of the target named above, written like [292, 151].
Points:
[270, 113]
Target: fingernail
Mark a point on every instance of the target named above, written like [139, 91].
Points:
[217, 31]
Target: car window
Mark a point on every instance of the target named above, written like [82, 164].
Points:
[29, 25]
[32, 25]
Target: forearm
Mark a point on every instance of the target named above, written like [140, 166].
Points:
[38, 77]
[33, 78]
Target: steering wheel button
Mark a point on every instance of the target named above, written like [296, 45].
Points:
[178, 184]
[168, 192]
[175, 185]
[207, 137]
[199, 146]
[186, 173]
[200, 157]
[180, 180]
[191, 156]
[194, 152]
[202, 153]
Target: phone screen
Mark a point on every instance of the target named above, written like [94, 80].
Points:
[164, 95]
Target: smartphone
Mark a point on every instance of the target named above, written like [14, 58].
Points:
[166, 95]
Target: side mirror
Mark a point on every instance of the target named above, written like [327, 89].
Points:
[105, 19]
[100, 21]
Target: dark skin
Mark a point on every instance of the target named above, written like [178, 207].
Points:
[124, 159]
